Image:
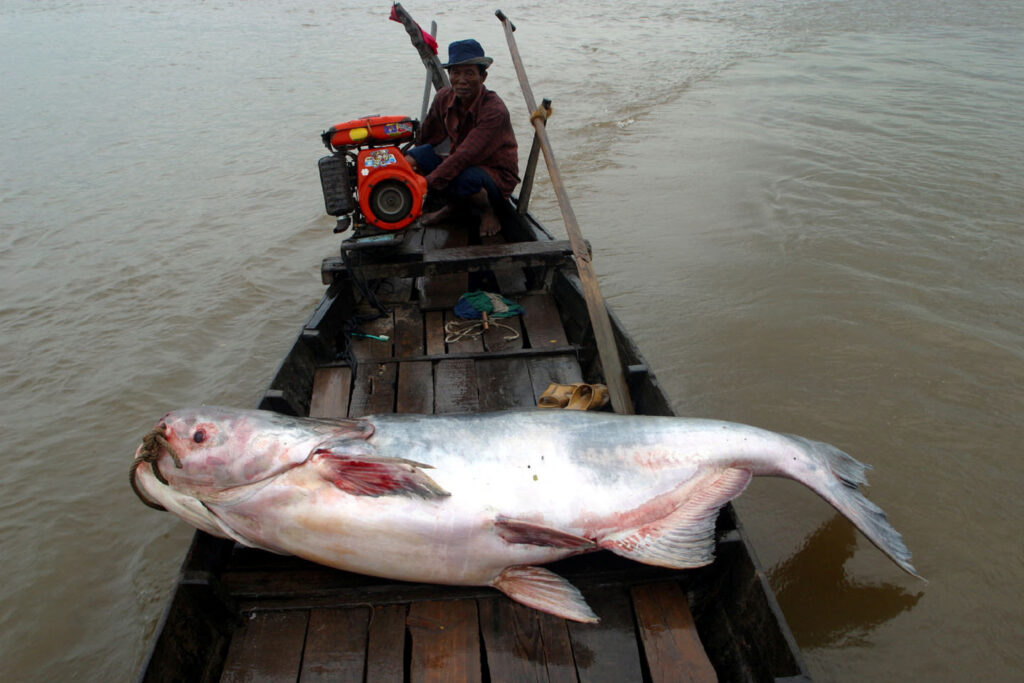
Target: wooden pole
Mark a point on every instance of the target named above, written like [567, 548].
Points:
[430, 79]
[438, 75]
[526, 189]
[608, 352]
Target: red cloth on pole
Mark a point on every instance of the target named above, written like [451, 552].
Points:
[427, 38]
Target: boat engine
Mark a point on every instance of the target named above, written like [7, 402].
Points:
[366, 179]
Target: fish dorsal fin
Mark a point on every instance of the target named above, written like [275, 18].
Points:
[546, 591]
[686, 537]
[341, 427]
[352, 467]
[519, 531]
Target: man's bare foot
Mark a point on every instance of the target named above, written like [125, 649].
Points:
[489, 224]
[436, 217]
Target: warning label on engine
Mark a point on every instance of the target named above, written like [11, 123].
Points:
[378, 158]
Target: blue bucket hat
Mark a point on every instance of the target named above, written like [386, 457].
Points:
[466, 52]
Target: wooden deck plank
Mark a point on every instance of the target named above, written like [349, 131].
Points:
[335, 645]
[433, 323]
[445, 641]
[455, 389]
[523, 644]
[409, 339]
[545, 370]
[541, 320]
[495, 336]
[385, 651]
[415, 388]
[673, 648]
[607, 652]
[504, 383]
[369, 349]
[331, 390]
[469, 344]
[267, 647]
[373, 390]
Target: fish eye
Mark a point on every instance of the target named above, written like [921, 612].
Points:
[199, 436]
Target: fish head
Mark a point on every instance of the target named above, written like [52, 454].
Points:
[203, 452]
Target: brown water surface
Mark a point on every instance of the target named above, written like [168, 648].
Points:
[810, 215]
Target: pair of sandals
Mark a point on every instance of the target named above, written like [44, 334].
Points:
[576, 396]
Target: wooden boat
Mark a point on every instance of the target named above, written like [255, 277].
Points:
[378, 342]
[243, 614]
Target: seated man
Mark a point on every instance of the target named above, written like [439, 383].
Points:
[482, 166]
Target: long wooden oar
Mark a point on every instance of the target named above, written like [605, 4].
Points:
[606, 349]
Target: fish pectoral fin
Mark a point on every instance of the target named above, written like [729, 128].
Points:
[227, 531]
[686, 537]
[367, 475]
[519, 531]
[546, 591]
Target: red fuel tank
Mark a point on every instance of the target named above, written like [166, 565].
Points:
[371, 130]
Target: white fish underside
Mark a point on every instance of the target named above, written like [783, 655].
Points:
[488, 497]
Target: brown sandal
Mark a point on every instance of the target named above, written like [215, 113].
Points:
[588, 397]
[556, 395]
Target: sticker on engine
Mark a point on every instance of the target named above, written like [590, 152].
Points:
[379, 158]
[393, 130]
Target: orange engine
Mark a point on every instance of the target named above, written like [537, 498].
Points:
[367, 180]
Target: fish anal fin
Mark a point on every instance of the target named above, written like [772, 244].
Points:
[546, 591]
[520, 531]
[368, 475]
[686, 537]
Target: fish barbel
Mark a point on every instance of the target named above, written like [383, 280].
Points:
[481, 499]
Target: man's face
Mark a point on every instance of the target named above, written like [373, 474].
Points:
[466, 81]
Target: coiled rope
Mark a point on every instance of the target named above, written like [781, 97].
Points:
[457, 330]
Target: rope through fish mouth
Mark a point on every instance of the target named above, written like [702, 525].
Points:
[149, 452]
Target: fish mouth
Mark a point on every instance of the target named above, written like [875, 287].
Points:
[149, 452]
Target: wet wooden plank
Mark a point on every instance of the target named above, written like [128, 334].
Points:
[455, 388]
[415, 387]
[606, 652]
[541, 320]
[673, 648]
[433, 323]
[408, 339]
[545, 370]
[504, 383]
[332, 388]
[496, 338]
[471, 343]
[335, 645]
[445, 641]
[385, 651]
[394, 290]
[442, 291]
[440, 261]
[523, 644]
[373, 390]
[368, 349]
[267, 647]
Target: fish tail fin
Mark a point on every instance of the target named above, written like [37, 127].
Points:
[837, 477]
